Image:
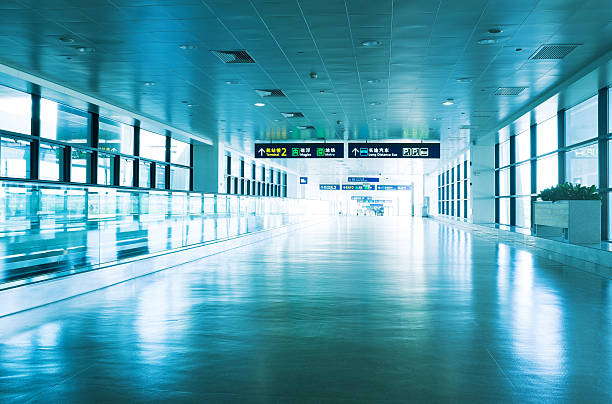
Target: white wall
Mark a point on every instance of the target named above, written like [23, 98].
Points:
[482, 177]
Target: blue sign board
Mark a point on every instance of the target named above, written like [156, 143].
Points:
[358, 187]
[303, 180]
[329, 187]
[393, 187]
[361, 198]
[394, 150]
[299, 150]
[363, 179]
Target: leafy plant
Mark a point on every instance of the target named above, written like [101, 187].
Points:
[570, 192]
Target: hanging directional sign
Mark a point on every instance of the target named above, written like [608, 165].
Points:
[363, 179]
[358, 187]
[393, 187]
[394, 150]
[299, 150]
[329, 187]
[303, 180]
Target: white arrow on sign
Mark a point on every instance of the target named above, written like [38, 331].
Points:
[261, 152]
[355, 150]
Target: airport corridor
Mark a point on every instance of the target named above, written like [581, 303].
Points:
[353, 309]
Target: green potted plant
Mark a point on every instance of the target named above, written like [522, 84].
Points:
[574, 207]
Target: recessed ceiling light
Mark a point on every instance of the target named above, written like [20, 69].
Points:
[376, 119]
[149, 83]
[486, 41]
[373, 81]
[259, 104]
[495, 30]
[449, 101]
[231, 82]
[370, 43]
[85, 49]
[375, 103]
[463, 80]
[187, 46]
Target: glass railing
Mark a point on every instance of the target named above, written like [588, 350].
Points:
[50, 230]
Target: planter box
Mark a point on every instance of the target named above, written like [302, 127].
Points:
[582, 219]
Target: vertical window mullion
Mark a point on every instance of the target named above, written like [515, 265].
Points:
[512, 181]
[561, 144]
[93, 125]
[136, 168]
[35, 143]
[168, 157]
[602, 133]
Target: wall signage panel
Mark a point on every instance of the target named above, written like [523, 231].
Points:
[394, 150]
[329, 187]
[358, 187]
[393, 187]
[363, 179]
[299, 150]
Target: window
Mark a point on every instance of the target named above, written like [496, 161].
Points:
[523, 179]
[504, 211]
[78, 165]
[179, 178]
[523, 146]
[51, 158]
[523, 212]
[547, 137]
[60, 122]
[160, 176]
[152, 145]
[116, 137]
[547, 172]
[15, 111]
[144, 174]
[504, 153]
[582, 166]
[504, 182]
[180, 152]
[242, 168]
[126, 172]
[105, 169]
[581, 122]
[14, 158]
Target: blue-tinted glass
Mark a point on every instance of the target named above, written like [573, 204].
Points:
[547, 172]
[14, 158]
[523, 212]
[504, 211]
[504, 153]
[160, 176]
[523, 179]
[581, 122]
[523, 146]
[15, 111]
[144, 175]
[547, 136]
[152, 145]
[582, 167]
[63, 123]
[116, 137]
[51, 157]
[126, 172]
[180, 152]
[105, 171]
[78, 165]
[179, 178]
[504, 182]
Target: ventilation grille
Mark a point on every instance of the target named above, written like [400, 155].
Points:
[270, 93]
[552, 52]
[292, 114]
[509, 90]
[233, 56]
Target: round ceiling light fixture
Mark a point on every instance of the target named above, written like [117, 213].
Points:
[449, 101]
[187, 46]
[375, 103]
[259, 104]
[463, 80]
[373, 81]
[486, 41]
[149, 83]
[370, 43]
[85, 49]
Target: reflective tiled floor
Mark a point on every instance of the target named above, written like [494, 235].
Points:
[364, 309]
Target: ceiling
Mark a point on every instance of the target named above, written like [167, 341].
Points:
[153, 57]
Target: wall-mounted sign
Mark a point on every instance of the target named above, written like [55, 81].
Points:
[394, 150]
[363, 179]
[361, 198]
[299, 150]
[329, 187]
[393, 187]
[358, 187]
[303, 180]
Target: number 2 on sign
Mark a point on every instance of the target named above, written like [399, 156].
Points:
[284, 152]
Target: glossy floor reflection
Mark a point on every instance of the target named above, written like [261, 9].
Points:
[364, 309]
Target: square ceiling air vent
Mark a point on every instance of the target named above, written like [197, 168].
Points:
[270, 93]
[509, 90]
[552, 52]
[292, 114]
[233, 56]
